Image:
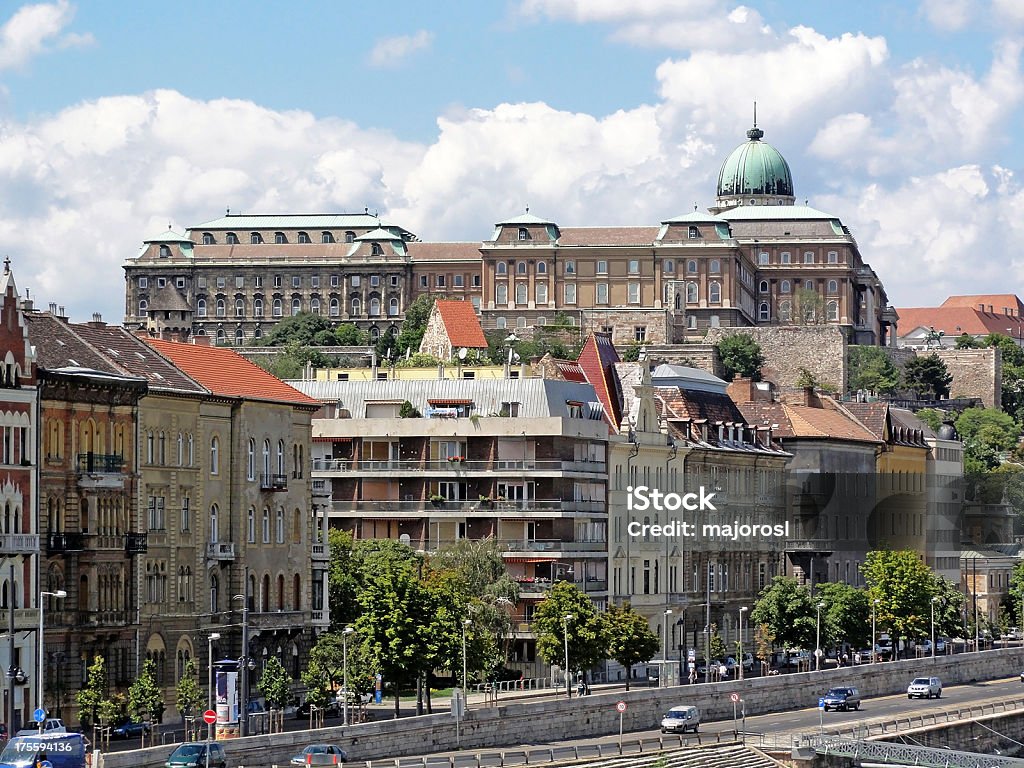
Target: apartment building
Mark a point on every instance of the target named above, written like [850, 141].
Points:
[519, 461]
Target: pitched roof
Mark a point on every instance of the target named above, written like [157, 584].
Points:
[801, 421]
[444, 251]
[1000, 302]
[228, 374]
[461, 324]
[957, 319]
[597, 358]
[607, 235]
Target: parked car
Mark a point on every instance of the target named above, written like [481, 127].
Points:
[748, 662]
[841, 698]
[130, 730]
[320, 754]
[925, 688]
[1012, 634]
[50, 725]
[863, 656]
[331, 709]
[681, 719]
[193, 755]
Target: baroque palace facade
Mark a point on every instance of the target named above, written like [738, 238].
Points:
[755, 258]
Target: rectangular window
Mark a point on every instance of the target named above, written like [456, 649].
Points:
[476, 302]
[220, 282]
[239, 282]
[808, 257]
[394, 281]
[354, 280]
[833, 257]
[186, 514]
[634, 266]
[335, 281]
[258, 281]
[784, 257]
[143, 282]
[459, 281]
[314, 281]
[200, 282]
[440, 281]
[277, 281]
[296, 281]
[762, 258]
[476, 281]
[179, 282]
[640, 333]
[374, 280]
[634, 293]
[602, 267]
[602, 293]
[570, 267]
[161, 282]
[570, 293]
[424, 281]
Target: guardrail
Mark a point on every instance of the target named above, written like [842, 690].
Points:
[525, 684]
[549, 755]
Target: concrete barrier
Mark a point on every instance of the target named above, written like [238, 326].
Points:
[515, 723]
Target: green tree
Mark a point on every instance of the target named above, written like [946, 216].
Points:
[415, 324]
[588, 642]
[932, 417]
[966, 341]
[716, 645]
[275, 684]
[846, 616]
[871, 370]
[145, 699]
[630, 639]
[93, 693]
[784, 607]
[808, 307]
[325, 668]
[349, 335]
[988, 435]
[188, 695]
[903, 586]
[928, 377]
[418, 360]
[385, 346]
[342, 579]
[741, 356]
[949, 607]
[300, 330]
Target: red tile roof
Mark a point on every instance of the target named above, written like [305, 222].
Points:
[596, 358]
[1001, 303]
[607, 235]
[461, 324]
[421, 252]
[955, 320]
[228, 374]
[801, 421]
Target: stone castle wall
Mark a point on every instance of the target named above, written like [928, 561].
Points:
[787, 350]
[976, 373]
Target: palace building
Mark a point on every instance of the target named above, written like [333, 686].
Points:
[755, 258]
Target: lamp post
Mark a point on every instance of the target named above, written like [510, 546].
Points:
[934, 601]
[60, 594]
[465, 625]
[344, 675]
[565, 625]
[874, 649]
[209, 669]
[661, 674]
[243, 663]
[817, 641]
[742, 611]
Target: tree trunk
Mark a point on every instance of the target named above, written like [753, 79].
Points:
[398, 703]
[426, 691]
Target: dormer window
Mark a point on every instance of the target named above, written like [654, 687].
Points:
[304, 237]
[165, 251]
[280, 237]
[326, 237]
[350, 237]
[255, 238]
[694, 233]
[208, 238]
[524, 234]
[376, 250]
[231, 238]
[575, 409]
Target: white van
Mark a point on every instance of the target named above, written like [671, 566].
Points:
[681, 719]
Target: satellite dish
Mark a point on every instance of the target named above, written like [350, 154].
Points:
[405, 539]
[462, 353]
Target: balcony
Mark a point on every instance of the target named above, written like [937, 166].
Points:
[220, 550]
[551, 545]
[273, 482]
[135, 543]
[557, 466]
[58, 543]
[417, 508]
[810, 546]
[274, 619]
[19, 543]
[319, 619]
[100, 471]
[103, 618]
[321, 553]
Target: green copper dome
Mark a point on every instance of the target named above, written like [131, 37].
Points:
[756, 170]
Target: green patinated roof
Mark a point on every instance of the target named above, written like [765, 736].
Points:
[755, 168]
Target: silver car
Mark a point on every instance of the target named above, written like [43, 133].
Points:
[925, 688]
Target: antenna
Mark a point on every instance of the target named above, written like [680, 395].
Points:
[755, 114]
[462, 353]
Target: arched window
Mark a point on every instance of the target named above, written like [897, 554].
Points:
[355, 305]
[521, 293]
[763, 286]
[832, 310]
[784, 287]
[691, 293]
[214, 593]
[542, 267]
[250, 465]
[296, 593]
[296, 306]
[181, 450]
[785, 311]
[350, 237]
[715, 266]
[693, 233]
[833, 286]
[374, 334]
[304, 237]
[524, 233]
[266, 526]
[679, 300]
[255, 238]
[520, 267]
[280, 457]
[257, 307]
[280, 526]
[277, 308]
[374, 307]
[143, 306]
[763, 312]
[326, 237]
[808, 285]
[208, 238]
[214, 525]
[314, 306]
[715, 292]
[376, 250]
[501, 268]
[520, 322]
[279, 237]
[280, 592]
[501, 294]
[214, 455]
[239, 307]
[231, 238]
[393, 307]
[257, 333]
[668, 266]
[221, 308]
[691, 267]
[541, 289]
[201, 307]
[335, 309]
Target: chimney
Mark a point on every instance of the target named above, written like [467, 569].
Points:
[742, 390]
[201, 341]
[97, 321]
[53, 308]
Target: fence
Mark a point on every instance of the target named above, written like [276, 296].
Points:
[525, 684]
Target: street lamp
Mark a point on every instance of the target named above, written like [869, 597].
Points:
[934, 601]
[661, 675]
[742, 611]
[874, 649]
[344, 675]
[60, 594]
[245, 661]
[209, 669]
[817, 641]
[465, 625]
[565, 625]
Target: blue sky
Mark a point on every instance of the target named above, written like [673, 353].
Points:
[119, 118]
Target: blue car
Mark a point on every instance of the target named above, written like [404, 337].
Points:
[130, 730]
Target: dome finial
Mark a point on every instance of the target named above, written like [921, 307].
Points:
[755, 114]
[755, 133]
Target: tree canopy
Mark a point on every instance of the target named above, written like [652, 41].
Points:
[741, 356]
[630, 639]
[928, 377]
[415, 324]
[587, 632]
[903, 587]
[988, 435]
[871, 369]
[784, 607]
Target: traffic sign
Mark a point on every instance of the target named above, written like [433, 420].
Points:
[821, 702]
[620, 706]
[735, 698]
[45, 764]
[209, 717]
[39, 715]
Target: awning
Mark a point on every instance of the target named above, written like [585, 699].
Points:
[448, 401]
[530, 559]
[332, 439]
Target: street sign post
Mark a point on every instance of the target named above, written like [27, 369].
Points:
[821, 714]
[620, 707]
[39, 715]
[735, 699]
[209, 717]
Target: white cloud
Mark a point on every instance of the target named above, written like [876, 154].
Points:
[1009, 10]
[33, 28]
[393, 51]
[949, 15]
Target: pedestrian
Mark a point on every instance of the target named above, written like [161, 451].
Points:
[856, 658]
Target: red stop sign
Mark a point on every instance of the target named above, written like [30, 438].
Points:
[210, 716]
